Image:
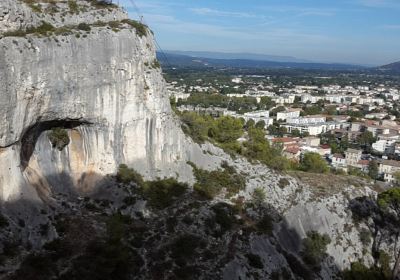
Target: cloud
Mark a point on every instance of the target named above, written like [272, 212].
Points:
[213, 12]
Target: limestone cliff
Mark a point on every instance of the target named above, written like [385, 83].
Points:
[104, 85]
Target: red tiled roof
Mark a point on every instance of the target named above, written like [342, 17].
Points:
[363, 162]
[292, 150]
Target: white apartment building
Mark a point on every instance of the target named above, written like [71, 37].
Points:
[384, 146]
[310, 98]
[311, 129]
[307, 120]
[288, 114]
[284, 99]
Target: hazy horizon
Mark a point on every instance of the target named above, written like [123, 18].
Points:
[363, 32]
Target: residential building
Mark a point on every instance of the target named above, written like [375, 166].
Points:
[288, 114]
[353, 156]
[387, 168]
[384, 146]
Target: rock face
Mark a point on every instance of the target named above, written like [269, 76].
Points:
[106, 82]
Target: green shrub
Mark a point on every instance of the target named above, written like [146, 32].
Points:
[42, 29]
[156, 64]
[359, 271]
[59, 138]
[265, 225]
[127, 175]
[365, 237]
[224, 216]
[84, 27]
[140, 28]
[258, 196]
[163, 193]
[73, 6]
[313, 162]
[314, 248]
[211, 183]
[283, 183]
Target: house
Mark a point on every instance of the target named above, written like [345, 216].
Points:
[363, 165]
[292, 152]
[339, 161]
[312, 141]
[324, 150]
[388, 168]
[353, 156]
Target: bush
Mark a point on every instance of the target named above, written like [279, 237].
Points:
[313, 162]
[73, 6]
[140, 28]
[59, 138]
[314, 248]
[210, 183]
[359, 271]
[265, 225]
[163, 193]
[365, 237]
[84, 26]
[258, 196]
[224, 216]
[283, 183]
[127, 175]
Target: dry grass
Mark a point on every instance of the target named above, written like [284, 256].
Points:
[329, 184]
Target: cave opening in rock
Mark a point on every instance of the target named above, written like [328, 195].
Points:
[32, 134]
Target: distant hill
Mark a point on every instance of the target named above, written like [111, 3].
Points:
[178, 60]
[394, 67]
[242, 56]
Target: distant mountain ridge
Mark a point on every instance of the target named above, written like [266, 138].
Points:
[180, 60]
[241, 56]
[391, 67]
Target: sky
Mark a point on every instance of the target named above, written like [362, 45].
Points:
[347, 31]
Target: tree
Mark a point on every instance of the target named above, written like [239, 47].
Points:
[366, 138]
[260, 124]
[373, 170]
[313, 162]
[228, 129]
[250, 123]
[296, 133]
[396, 176]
